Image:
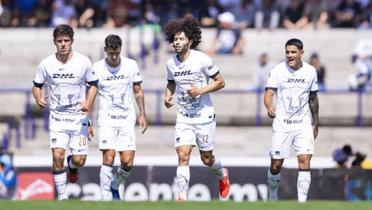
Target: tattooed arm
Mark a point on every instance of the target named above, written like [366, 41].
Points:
[314, 109]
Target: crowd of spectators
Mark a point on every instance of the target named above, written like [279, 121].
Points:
[259, 14]
[346, 158]
[8, 176]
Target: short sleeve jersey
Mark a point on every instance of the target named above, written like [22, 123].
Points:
[66, 82]
[293, 89]
[115, 89]
[195, 70]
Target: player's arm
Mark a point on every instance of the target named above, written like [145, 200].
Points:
[269, 102]
[169, 91]
[91, 96]
[140, 99]
[37, 93]
[218, 83]
[314, 109]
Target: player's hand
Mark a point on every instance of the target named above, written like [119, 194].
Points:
[168, 101]
[83, 106]
[90, 132]
[193, 91]
[271, 112]
[142, 123]
[42, 103]
[315, 131]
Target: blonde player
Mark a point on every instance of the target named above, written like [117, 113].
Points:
[295, 116]
[119, 84]
[66, 74]
[188, 74]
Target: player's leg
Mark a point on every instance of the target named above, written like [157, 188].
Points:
[74, 161]
[183, 171]
[304, 147]
[217, 168]
[105, 175]
[79, 145]
[107, 136]
[58, 144]
[126, 146]
[123, 172]
[184, 142]
[79, 150]
[206, 139]
[59, 173]
[273, 178]
[304, 177]
[280, 149]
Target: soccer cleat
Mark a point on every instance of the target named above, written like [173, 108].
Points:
[273, 193]
[225, 185]
[182, 197]
[106, 195]
[180, 200]
[115, 194]
[62, 197]
[72, 174]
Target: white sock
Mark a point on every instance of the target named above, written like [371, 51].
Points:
[273, 184]
[303, 185]
[120, 177]
[217, 168]
[183, 179]
[71, 165]
[60, 180]
[105, 177]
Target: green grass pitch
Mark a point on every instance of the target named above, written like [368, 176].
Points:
[167, 205]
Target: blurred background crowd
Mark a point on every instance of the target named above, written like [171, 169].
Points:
[272, 14]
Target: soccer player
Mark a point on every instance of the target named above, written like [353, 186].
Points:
[66, 74]
[119, 83]
[188, 73]
[295, 115]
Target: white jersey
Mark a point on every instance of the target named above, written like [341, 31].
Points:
[115, 89]
[293, 88]
[195, 70]
[66, 82]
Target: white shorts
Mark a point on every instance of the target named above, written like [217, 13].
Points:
[202, 135]
[301, 140]
[76, 140]
[117, 138]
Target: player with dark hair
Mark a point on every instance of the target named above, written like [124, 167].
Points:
[66, 73]
[188, 74]
[295, 116]
[119, 84]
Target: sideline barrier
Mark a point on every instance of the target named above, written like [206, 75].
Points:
[154, 183]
